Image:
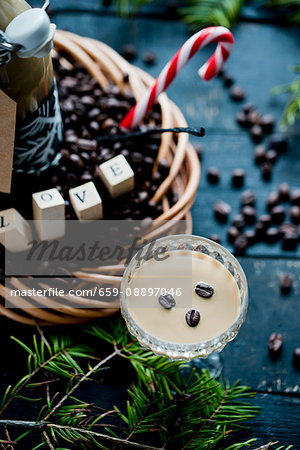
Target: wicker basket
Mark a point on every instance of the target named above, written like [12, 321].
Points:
[105, 64]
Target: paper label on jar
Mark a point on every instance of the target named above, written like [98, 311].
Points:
[38, 137]
[8, 109]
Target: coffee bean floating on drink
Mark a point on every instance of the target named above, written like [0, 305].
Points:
[204, 290]
[192, 317]
[167, 301]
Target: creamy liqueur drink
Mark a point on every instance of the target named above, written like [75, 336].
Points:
[188, 301]
[181, 272]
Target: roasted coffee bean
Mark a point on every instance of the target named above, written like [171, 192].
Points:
[272, 156]
[259, 231]
[249, 214]
[86, 177]
[296, 357]
[146, 223]
[149, 58]
[199, 150]
[284, 192]
[213, 175]
[278, 214]
[222, 211]
[129, 52]
[272, 200]
[266, 170]
[290, 241]
[54, 180]
[256, 133]
[167, 301]
[266, 220]
[232, 234]
[275, 345]
[287, 228]
[204, 290]
[172, 9]
[237, 93]
[94, 127]
[278, 142]
[295, 197]
[192, 317]
[251, 236]
[267, 123]
[238, 221]
[295, 214]
[76, 161]
[94, 113]
[240, 245]
[248, 198]
[228, 80]
[136, 157]
[272, 235]
[164, 167]
[238, 177]
[87, 145]
[260, 155]
[285, 283]
[247, 107]
[254, 117]
[215, 237]
[242, 119]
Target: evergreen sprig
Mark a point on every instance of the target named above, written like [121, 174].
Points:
[169, 406]
[200, 13]
[292, 110]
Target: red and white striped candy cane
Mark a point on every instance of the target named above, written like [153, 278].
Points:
[199, 40]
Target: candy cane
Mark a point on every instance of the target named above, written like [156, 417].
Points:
[199, 40]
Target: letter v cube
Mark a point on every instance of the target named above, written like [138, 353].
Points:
[86, 202]
[49, 214]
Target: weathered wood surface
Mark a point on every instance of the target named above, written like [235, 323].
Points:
[260, 61]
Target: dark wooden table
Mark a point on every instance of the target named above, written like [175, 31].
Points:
[260, 60]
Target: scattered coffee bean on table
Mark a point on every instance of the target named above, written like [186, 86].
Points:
[284, 192]
[267, 123]
[290, 241]
[278, 142]
[266, 220]
[278, 214]
[149, 58]
[240, 245]
[272, 200]
[129, 52]
[271, 156]
[215, 237]
[260, 154]
[238, 177]
[232, 234]
[295, 214]
[296, 357]
[167, 301]
[272, 235]
[295, 197]
[257, 133]
[266, 170]
[251, 236]
[204, 290]
[248, 198]
[285, 283]
[192, 317]
[237, 93]
[275, 345]
[238, 221]
[249, 214]
[213, 175]
[222, 211]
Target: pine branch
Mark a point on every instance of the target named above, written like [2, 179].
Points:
[201, 13]
[292, 110]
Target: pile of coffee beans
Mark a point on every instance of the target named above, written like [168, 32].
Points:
[90, 112]
[259, 126]
[280, 222]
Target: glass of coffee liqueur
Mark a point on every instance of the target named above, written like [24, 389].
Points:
[185, 297]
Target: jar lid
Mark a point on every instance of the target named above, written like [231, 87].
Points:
[33, 31]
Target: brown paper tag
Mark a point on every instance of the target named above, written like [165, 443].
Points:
[8, 109]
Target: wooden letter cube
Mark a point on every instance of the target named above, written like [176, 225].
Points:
[49, 213]
[15, 231]
[117, 175]
[86, 202]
